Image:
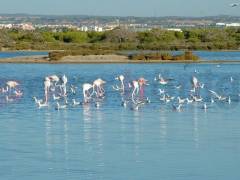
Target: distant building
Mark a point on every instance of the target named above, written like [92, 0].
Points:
[84, 28]
[233, 25]
[26, 27]
[98, 29]
[220, 24]
[6, 26]
[175, 29]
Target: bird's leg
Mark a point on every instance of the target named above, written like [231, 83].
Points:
[46, 96]
[141, 93]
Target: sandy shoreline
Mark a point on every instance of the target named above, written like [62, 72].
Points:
[99, 59]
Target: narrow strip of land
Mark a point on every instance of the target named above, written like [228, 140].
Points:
[102, 59]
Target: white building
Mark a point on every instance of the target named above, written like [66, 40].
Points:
[6, 26]
[175, 29]
[84, 28]
[233, 25]
[220, 24]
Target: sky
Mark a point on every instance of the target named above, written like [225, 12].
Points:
[140, 8]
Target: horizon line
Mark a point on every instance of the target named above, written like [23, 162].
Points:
[121, 16]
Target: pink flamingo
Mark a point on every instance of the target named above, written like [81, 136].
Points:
[98, 87]
[142, 82]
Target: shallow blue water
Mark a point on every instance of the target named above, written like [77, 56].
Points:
[218, 55]
[205, 55]
[113, 142]
[21, 53]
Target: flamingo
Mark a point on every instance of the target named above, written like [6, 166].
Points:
[86, 94]
[121, 79]
[98, 87]
[54, 78]
[142, 82]
[135, 89]
[64, 84]
[11, 84]
[47, 84]
[195, 82]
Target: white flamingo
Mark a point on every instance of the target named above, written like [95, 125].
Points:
[11, 85]
[64, 85]
[98, 87]
[86, 94]
[195, 82]
[54, 78]
[47, 84]
[122, 87]
[135, 91]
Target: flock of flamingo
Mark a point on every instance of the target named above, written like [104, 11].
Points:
[57, 90]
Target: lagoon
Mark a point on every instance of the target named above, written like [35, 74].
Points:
[204, 55]
[117, 143]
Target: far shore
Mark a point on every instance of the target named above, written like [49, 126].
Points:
[100, 59]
